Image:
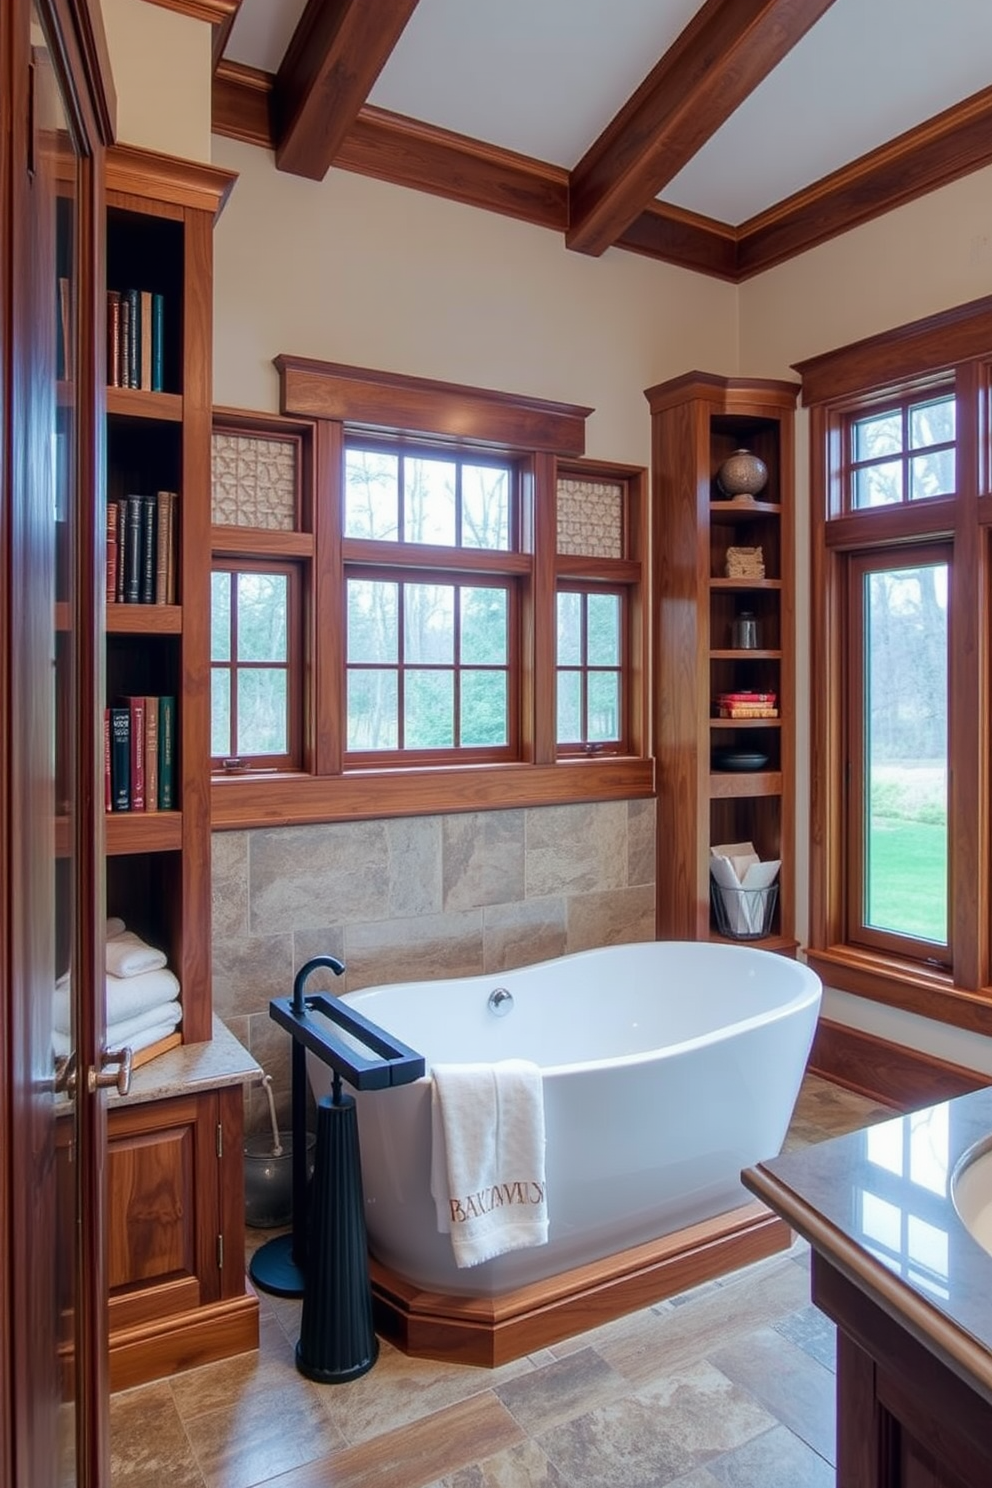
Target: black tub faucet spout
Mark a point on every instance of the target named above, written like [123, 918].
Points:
[299, 980]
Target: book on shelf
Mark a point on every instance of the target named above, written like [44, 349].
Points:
[136, 339]
[141, 549]
[120, 758]
[139, 754]
[166, 753]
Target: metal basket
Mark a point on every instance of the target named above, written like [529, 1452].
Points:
[743, 914]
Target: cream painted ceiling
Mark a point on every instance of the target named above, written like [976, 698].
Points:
[544, 79]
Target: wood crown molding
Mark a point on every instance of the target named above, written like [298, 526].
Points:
[917, 350]
[719, 59]
[390, 400]
[184, 183]
[215, 12]
[406, 152]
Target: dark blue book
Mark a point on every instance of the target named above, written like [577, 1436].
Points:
[158, 343]
[134, 340]
[120, 759]
[132, 551]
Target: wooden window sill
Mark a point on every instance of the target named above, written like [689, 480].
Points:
[266, 799]
[926, 991]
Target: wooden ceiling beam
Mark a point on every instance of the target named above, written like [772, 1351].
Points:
[720, 58]
[336, 53]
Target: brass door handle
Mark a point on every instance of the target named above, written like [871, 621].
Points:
[120, 1077]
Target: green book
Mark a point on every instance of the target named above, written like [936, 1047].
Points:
[166, 753]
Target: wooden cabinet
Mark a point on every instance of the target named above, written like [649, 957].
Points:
[697, 421]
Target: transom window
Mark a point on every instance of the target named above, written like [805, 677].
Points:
[418, 497]
[903, 452]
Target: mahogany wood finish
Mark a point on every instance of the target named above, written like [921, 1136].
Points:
[330, 390]
[949, 350]
[718, 60]
[217, 12]
[269, 800]
[492, 1331]
[905, 1419]
[942, 149]
[697, 420]
[891, 1074]
[409, 152]
[334, 57]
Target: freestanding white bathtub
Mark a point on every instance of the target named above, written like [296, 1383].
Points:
[668, 1067]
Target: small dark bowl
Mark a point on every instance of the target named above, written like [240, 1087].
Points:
[739, 759]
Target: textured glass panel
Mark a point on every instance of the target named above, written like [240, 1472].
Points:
[429, 623]
[569, 708]
[877, 436]
[879, 485]
[372, 710]
[429, 501]
[220, 711]
[485, 507]
[254, 481]
[483, 617]
[569, 629]
[932, 423]
[603, 630]
[262, 616]
[373, 623]
[604, 706]
[428, 710]
[931, 475]
[484, 710]
[262, 718]
[220, 617]
[371, 495]
[590, 518]
[906, 751]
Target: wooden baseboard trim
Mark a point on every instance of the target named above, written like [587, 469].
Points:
[168, 1345]
[490, 1331]
[891, 1074]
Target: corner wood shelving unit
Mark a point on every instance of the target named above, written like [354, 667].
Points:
[160, 217]
[175, 1188]
[697, 421]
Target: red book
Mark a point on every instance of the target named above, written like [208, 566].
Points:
[136, 708]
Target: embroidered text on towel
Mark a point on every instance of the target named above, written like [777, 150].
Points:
[496, 1197]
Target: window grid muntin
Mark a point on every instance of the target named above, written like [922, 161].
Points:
[231, 666]
[582, 670]
[401, 577]
[904, 456]
[404, 452]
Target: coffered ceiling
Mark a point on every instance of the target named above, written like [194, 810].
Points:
[725, 136]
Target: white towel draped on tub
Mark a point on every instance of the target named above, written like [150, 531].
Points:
[487, 1157]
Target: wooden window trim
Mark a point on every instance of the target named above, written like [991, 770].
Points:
[325, 402]
[953, 347]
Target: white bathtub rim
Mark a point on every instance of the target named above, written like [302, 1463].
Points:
[808, 994]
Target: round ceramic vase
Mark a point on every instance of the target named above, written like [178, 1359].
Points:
[742, 474]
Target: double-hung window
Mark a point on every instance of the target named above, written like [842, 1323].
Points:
[900, 903]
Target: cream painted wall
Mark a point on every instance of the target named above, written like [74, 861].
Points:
[926, 257]
[358, 271]
[162, 69]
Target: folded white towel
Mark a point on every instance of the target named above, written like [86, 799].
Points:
[126, 997]
[115, 927]
[136, 1033]
[487, 1158]
[128, 955]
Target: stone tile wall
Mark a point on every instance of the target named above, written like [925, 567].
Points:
[417, 898]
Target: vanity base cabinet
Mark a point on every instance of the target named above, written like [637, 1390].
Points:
[905, 1417]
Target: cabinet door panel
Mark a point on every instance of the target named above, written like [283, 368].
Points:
[152, 1204]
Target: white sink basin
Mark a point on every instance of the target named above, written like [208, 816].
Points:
[971, 1191]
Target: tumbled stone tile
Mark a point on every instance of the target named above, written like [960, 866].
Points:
[482, 858]
[523, 934]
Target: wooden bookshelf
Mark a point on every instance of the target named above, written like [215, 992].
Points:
[697, 421]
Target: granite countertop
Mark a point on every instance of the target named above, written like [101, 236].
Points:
[191, 1067]
[877, 1205]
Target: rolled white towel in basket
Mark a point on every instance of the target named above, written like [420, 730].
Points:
[487, 1157]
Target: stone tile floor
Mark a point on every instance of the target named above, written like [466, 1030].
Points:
[730, 1385]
